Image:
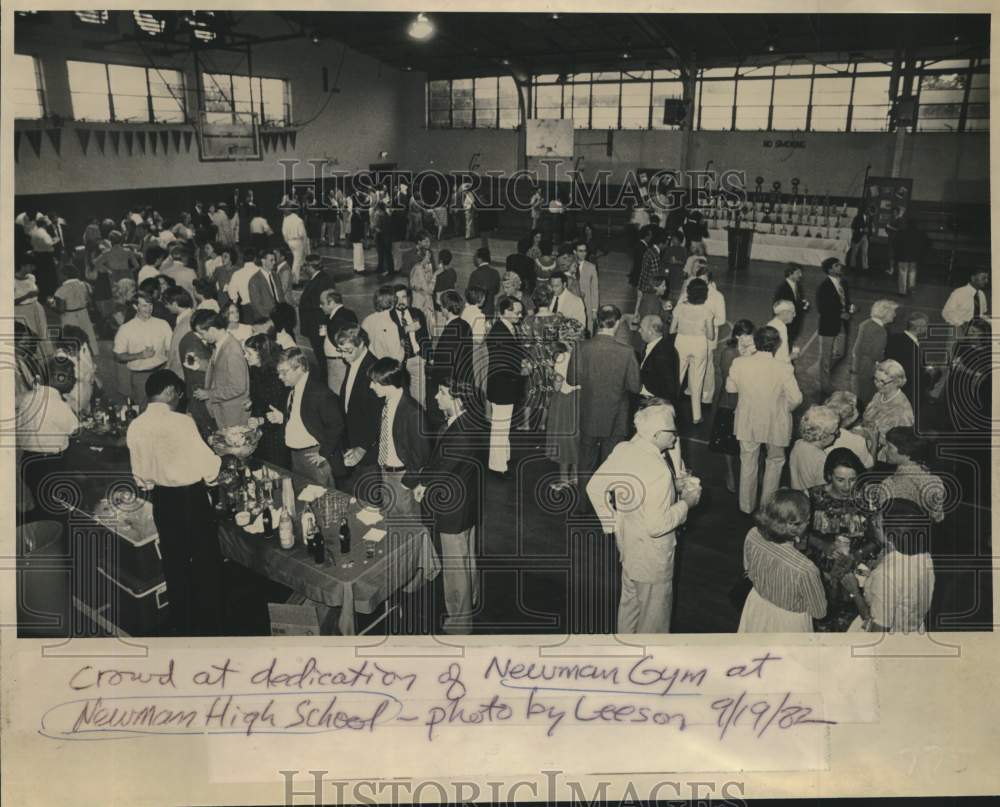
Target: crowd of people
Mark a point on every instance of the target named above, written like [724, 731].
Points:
[224, 319]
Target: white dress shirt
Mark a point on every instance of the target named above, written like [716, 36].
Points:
[959, 309]
[166, 449]
[239, 284]
[473, 314]
[138, 334]
[211, 265]
[296, 434]
[259, 226]
[352, 374]
[44, 421]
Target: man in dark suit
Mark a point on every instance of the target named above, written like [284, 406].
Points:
[833, 304]
[658, 362]
[454, 468]
[265, 287]
[645, 238]
[608, 374]
[791, 289]
[523, 266]
[338, 317]
[314, 427]
[420, 250]
[504, 380]
[415, 339]
[905, 348]
[362, 407]
[403, 447]
[486, 277]
[451, 356]
[311, 314]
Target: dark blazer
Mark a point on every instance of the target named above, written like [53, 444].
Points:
[364, 409]
[524, 268]
[310, 314]
[659, 373]
[607, 373]
[321, 415]
[640, 250]
[504, 382]
[452, 355]
[901, 348]
[342, 318]
[829, 307]
[454, 466]
[262, 301]
[485, 276]
[784, 292]
[409, 434]
[423, 334]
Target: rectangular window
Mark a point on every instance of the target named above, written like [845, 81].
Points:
[28, 99]
[126, 93]
[977, 116]
[548, 100]
[242, 99]
[89, 92]
[941, 97]
[510, 107]
[462, 101]
[871, 104]
[606, 97]
[635, 105]
[791, 103]
[716, 104]
[753, 103]
[129, 93]
[581, 105]
[486, 103]
[830, 99]
[166, 91]
[439, 104]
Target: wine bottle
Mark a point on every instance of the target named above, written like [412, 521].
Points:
[345, 537]
[286, 532]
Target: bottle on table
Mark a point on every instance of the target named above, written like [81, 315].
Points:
[345, 537]
[309, 525]
[286, 531]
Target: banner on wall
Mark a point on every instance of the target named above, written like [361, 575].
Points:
[887, 201]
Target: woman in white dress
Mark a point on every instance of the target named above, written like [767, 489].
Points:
[899, 590]
[787, 589]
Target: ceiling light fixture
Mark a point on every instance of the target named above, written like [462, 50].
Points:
[421, 28]
[555, 16]
[770, 47]
[626, 55]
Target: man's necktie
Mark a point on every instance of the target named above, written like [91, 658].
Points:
[976, 305]
[291, 401]
[274, 289]
[383, 437]
[408, 349]
[555, 305]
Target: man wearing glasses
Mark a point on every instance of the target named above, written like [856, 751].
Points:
[642, 496]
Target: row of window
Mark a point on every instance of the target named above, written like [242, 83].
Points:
[953, 95]
[129, 94]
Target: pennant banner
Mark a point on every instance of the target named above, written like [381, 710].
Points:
[84, 137]
[165, 141]
[188, 136]
[177, 140]
[116, 139]
[35, 138]
[100, 135]
[17, 146]
[284, 141]
[264, 144]
[291, 138]
[55, 138]
[140, 138]
[152, 141]
[129, 142]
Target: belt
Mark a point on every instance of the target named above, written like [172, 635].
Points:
[307, 448]
[393, 469]
[71, 310]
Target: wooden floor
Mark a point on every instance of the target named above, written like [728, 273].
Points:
[545, 566]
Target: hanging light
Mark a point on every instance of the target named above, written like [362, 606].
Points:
[421, 28]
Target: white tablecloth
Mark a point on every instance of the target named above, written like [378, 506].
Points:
[782, 248]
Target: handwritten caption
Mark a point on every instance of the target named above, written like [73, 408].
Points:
[748, 697]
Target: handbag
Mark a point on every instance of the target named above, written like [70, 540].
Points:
[723, 440]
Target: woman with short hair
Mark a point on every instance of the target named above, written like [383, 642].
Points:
[890, 407]
[818, 428]
[912, 480]
[787, 591]
[869, 348]
[845, 404]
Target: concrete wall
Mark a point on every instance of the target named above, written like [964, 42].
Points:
[351, 128]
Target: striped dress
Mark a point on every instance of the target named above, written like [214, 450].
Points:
[787, 590]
